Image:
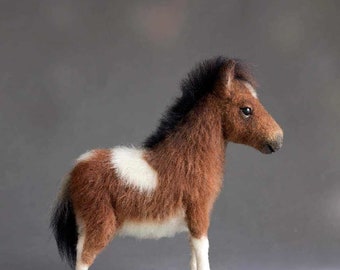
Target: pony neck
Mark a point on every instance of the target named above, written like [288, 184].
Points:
[197, 144]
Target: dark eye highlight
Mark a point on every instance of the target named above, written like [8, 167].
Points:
[247, 111]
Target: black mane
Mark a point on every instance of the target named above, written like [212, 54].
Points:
[199, 83]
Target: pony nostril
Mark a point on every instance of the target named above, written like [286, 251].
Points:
[273, 145]
[277, 143]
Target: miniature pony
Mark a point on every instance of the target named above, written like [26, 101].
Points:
[170, 184]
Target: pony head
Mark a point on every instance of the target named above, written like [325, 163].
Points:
[246, 121]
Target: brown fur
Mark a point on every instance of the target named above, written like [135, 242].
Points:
[186, 174]
[189, 164]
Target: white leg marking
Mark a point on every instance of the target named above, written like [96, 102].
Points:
[82, 267]
[133, 169]
[251, 89]
[201, 249]
[80, 246]
[193, 261]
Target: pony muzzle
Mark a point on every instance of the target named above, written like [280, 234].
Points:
[272, 146]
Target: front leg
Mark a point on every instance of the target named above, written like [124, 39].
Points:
[198, 224]
[201, 251]
[193, 260]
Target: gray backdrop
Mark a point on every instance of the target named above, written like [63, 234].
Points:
[76, 75]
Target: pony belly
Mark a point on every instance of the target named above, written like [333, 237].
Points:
[154, 229]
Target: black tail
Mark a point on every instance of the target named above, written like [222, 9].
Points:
[64, 227]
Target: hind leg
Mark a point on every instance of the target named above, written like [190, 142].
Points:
[80, 265]
[94, 235]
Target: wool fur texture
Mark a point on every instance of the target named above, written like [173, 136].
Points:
[170, 183]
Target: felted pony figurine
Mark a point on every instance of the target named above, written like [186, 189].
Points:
[170, 184]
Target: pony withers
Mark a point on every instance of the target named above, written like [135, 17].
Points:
[170, 184]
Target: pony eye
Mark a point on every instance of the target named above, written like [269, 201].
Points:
[246, 111]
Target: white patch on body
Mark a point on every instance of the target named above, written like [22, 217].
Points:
[133, 169]
[251, 89]
[201, 249]
[155, 229]
[86, 156]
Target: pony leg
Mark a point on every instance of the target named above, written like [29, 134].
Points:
[80, 247]
[198, 223]
[201, 250]
[193, 260]
[94, 237]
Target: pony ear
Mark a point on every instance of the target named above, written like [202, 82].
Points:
[229, 74]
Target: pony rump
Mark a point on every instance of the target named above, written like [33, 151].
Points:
[64, 227]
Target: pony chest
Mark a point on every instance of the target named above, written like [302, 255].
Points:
[154, 229]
